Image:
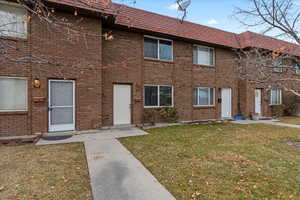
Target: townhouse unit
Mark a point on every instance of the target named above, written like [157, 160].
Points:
[118, 64]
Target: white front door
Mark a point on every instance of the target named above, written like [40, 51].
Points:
[226, 103]
[258, 101]
[122, 104]
[61, 105]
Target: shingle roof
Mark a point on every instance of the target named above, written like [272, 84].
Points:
[140, 19]
[102, 6]
[250, 39]
[149, 21]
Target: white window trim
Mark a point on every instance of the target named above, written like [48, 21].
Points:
[213, 105]
[214, 55]
[296, 69]
[158, 96]
[22, 78]
[279, 69]
[271, 97]
[26, 13]
[158, 52]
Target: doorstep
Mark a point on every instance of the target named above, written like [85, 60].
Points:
[17, 140]
[122, 126]
[67, 133]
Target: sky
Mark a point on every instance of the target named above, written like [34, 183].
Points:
[213, 13]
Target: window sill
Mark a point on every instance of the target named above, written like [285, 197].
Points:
[13, 112]
[278, 72]
[204, 107]
[275, 104]
[158, 60]
[206, 66]
[153, 107]
[14, 38]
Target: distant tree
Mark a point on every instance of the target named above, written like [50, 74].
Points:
[281, 16]
[274, 69]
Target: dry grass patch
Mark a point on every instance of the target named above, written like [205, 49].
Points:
[52, 172]
[222, 161]
[290, 120]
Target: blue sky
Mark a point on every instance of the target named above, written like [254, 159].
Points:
[214, 13]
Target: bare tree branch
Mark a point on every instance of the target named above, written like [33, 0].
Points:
[280, 15]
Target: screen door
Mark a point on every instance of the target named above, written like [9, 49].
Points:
[61, 105]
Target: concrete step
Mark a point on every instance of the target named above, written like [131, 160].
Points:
[17, 140]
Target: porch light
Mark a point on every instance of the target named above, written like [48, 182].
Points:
[36, 83]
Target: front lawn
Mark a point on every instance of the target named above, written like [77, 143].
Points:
[290, 120]
[222, 161]
[53, 172]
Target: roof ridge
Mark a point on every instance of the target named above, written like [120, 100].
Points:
[173, 18]
[237, 36]
[267, 36]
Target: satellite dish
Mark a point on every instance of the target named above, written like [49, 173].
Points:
[182, 5]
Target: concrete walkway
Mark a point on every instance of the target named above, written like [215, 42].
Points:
[270, 122]
[115, 173]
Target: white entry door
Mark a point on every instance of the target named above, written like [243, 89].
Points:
[61, 105]
[122, 104]
[226, 103]
[258, 101]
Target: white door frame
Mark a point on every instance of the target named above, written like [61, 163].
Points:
[129, 117]
[63, 127]
[222, 103]
[260, 101]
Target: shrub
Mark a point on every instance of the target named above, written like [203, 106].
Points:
[169, 114]
[277, 110]
[290, 104]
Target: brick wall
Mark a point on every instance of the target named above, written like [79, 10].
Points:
[80, 56]
[123, 62]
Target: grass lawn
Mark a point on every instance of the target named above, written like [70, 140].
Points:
[54, 172]
[290, 120]
[222, 161]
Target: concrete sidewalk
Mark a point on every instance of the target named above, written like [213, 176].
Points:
[115, 173]
[270, 122]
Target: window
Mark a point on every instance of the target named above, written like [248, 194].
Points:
[203, 55]
[158, 49]
[278, 66]
[296, 68]
[204, 96]
[158, 96]
[276, 97]
[13, 20]
[13, 94]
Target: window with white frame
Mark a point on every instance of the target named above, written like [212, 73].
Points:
[203, 55]
[13, 21]
[204, 96]
[158, 96]
[158, 48]
[296, 68]
[13, 94]
[276, 97]
[278, 66]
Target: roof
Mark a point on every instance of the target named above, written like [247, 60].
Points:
[145, 20]
[149, 21]
[140, 19]
[101, 6]
[250, 39]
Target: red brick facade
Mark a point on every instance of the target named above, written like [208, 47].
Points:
[123, 62]
[96, 65]
[85, 52]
